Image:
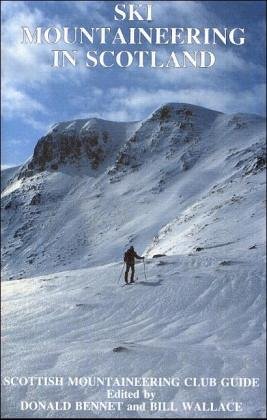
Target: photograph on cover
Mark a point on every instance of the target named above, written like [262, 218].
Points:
[133, 209]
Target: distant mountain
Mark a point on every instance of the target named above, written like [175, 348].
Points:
[185, 179]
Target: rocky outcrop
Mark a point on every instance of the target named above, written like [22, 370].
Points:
[54, 150]
[86, 143]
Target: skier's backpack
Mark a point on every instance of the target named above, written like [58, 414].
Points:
[126, 257]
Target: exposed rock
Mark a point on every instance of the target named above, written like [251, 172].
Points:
[119, 349]
[36, 199]
[165, 112]
[226, 263]
[58, 148]
[8, 205]
[159, 255]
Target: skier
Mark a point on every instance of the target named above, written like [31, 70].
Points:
[129, 259]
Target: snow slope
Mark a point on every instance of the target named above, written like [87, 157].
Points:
[187, 182]
[192, 317]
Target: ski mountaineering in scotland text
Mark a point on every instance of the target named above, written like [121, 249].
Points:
[135, 36]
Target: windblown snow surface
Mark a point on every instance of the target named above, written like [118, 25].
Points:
[187, 182]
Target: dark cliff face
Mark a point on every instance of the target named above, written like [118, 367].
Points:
[88, 143]
[56, 149]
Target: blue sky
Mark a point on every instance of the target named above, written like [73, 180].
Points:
[35, 95]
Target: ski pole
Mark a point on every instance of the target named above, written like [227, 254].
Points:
[144, 269]
[121, 272]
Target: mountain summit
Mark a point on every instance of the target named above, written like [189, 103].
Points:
[93, 142]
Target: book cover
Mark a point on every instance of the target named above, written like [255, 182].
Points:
[133, 209]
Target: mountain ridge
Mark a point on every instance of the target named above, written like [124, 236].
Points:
[147, 173]
[61, 126]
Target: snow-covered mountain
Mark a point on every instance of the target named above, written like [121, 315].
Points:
[93, 186]
[187, 182]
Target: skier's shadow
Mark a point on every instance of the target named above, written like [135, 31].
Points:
[150, 283]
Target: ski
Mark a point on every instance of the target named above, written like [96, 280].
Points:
[128, 284]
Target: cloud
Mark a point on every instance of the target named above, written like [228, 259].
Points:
[227, 64]
[7, 166]
[26, 68]
[30, 64]
[109, 115]
[23, 67]
[17, 104]
[93, 10]
[22, 63]
[183, 13]
[246, 100]
[17, 142]
[128, 104]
